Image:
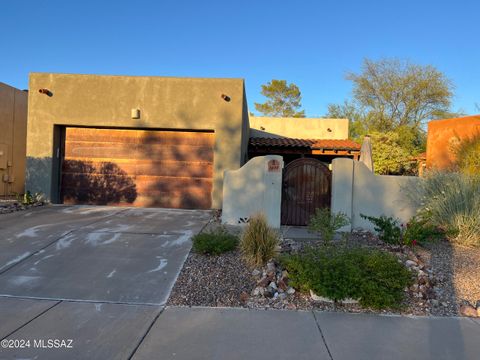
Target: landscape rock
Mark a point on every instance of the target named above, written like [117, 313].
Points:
[410, 263]
[256, 273]
[244, 297]
[315, 297]
[468, 310]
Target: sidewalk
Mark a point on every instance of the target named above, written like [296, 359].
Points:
[220, 333]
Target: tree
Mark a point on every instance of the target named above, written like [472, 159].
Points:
[352, 112]
[397, 93]
[284, 100]
[389, 157]
[395, 98]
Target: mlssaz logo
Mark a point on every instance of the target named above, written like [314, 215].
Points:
[53, 343]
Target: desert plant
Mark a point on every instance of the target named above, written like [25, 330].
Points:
[214, 242]
[28, 198]
[451, 201]
[388, 228]
[467, 154]
[373, 277]
[326, 223]
[259, 241]
[420, 231]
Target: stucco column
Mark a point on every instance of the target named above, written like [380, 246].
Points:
[342, 188]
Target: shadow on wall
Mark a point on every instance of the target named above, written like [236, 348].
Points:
[98, 184]
[189, 172]
[38, 175]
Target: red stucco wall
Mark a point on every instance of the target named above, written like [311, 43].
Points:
[443, 134]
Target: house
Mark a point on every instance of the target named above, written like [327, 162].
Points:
[444, 135]
[134, 140]
[157, 141]
[294, 138]
[13, 125]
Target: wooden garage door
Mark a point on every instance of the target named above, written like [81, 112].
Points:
[170, 169]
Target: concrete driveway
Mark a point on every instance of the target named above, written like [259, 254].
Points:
[97, 275]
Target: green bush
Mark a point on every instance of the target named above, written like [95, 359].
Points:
[467, 154]
[259, 242]
[420, 231]
[214, 242]
[326, 223]
[373, 277]
[388, 228]
[452, 202]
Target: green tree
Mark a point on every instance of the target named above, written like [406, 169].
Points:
[354, 113]
[283, 100]
[397, 93]
[395, 98]
[389, 156]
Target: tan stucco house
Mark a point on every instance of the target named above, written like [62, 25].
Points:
[156, 141]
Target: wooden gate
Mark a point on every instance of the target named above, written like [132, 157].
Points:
[306, 186]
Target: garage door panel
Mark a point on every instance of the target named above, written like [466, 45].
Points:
[153, 152]
[184, 200]
[139, 168]
[176, 169]
[140, 137]
[160, 183]
[151, 168]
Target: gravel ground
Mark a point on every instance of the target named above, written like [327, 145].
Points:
[453, 274]
[212, 281]
[9, 206]
[458, 271]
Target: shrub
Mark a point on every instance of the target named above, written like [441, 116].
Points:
[326, 223]
[388, 228]
[452, 202]
[214, 242]
[467, 154]
[421, 231]
[259, 241]
[373, 277]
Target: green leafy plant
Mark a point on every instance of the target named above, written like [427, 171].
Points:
[420, 231]
[467, 154]
[214, 242]
[373, 277]
[259, 242]
[451, 201]
[326, 223]
[388, 228]
[28, 198]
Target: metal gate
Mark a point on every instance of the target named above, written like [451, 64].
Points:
[306, 186]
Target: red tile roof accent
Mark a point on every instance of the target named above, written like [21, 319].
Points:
[306, 143]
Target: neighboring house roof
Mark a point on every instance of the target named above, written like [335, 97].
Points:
[314, 144]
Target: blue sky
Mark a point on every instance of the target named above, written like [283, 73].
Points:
[311, 43]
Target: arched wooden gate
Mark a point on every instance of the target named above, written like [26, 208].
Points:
[306, 186]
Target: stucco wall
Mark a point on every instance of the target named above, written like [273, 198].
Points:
[13, 126]
[255, 187]
[301, 128]
[443, 135]
[107, 101]
[356, 190]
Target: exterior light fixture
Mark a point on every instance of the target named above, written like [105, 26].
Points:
[135, 113]
[45, 92]
[226, 97]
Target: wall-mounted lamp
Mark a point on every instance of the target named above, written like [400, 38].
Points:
[135, 113]
[226, 97]
[329, 130]
[45, 92]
